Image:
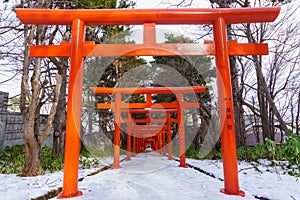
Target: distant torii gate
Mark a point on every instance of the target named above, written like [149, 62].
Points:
[77, 49]
[178, 107]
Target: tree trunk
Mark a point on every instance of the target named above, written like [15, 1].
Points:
[239, 121]
[263, 113]
[32, 166]
[32, 154]
[59, 127]
[197, 139]
[264, 95]
[32, 147]
[90, 113]
[298, 116]
[205, 114]
[33, 139]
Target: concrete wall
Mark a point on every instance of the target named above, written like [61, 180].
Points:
[3, 116]
[11, 125]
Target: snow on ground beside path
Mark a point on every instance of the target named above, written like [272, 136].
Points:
[151, 176]
[265, 181]
[13, 187]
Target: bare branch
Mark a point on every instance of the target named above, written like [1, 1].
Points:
[47, 130]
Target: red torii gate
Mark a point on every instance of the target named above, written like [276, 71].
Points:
[163, 129]
[119, 106]
[77, 49]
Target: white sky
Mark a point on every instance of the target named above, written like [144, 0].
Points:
[158, 4]
[162, 29]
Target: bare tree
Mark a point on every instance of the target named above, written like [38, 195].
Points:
[275, 73]
[37, 88]
[236, 89]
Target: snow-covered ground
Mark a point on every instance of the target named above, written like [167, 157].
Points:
[151, 176]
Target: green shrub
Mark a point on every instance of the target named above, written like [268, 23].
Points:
[214, 154]
[12, 159]
[50, 161]
[292, 154]
[251, 153]
[192, 153]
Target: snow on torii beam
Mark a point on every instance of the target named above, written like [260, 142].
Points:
[78, 49]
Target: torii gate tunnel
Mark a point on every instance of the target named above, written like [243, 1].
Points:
[77, 49]
[149, 107]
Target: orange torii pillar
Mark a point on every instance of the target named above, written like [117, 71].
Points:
[117, 134]
[170, 156]
[129, 124]
[181, 131]
[159, 138]
[228, 138]
[134, 143]
[164, 141]
[78, 49]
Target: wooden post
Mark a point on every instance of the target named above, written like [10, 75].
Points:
[134, 141]
[170, 156]
[228, 140]
[181, 131]
[116, 164]
[72, 142]
[129, 137]
[164, 141]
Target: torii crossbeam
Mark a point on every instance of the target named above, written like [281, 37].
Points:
[77, 49]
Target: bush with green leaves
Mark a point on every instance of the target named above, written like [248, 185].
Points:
[292, 154]
[50, 161]
[271, 150]
[12, 160]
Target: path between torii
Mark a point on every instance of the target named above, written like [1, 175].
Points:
[152, 176]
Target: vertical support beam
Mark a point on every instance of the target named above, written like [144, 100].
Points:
[156, 143]
[164, 141]
[138, 145]
[134, 140]
[181, 131]
[142, 144]
[72, 142]
[170, 156]
[117, 137]
[128, 137]
[228, 140]
[148, 101]
[159, 142]
[149, 33]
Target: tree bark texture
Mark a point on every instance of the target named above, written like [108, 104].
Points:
[59, 127]
[34, 92]
[239, 121]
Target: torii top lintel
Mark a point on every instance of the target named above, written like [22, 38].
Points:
[141, 16]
